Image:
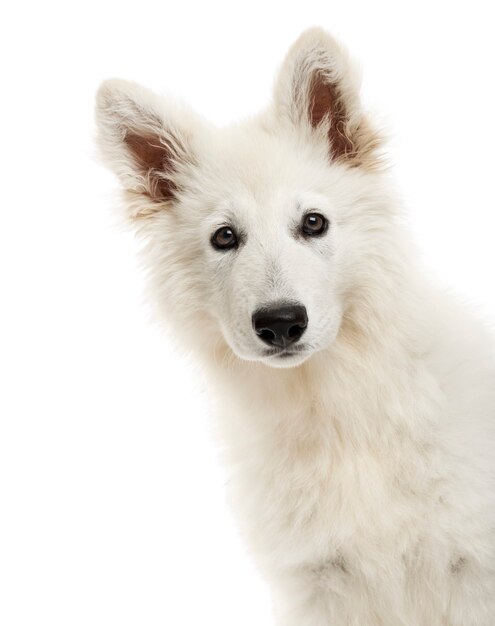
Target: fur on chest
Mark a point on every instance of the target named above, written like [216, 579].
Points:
[314, 497]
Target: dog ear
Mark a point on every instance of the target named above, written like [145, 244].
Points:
[144, 141]
[318, 88]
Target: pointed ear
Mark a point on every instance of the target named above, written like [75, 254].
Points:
[145, 141]
[318, 89]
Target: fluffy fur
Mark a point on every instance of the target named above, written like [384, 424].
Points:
[363, 469]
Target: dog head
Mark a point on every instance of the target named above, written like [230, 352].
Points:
[259, 234]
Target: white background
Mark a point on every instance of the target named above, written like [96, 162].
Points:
[111, 500]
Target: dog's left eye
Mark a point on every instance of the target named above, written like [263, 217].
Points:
[224, 238]
[314, 224]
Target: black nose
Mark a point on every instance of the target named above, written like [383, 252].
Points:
[281, 325]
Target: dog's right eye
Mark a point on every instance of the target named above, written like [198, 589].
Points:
[224, 238]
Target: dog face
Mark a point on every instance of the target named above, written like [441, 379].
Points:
[258, 234]
[268, 247]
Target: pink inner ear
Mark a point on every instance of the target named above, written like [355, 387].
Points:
[325, 102]
[154, 157]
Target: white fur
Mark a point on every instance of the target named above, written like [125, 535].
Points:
[363, 469]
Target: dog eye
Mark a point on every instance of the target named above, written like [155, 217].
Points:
[314, 224]
[224, 238]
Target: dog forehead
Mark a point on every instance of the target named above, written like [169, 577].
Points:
[261, 171]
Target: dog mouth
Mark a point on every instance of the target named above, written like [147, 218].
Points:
[284, 353]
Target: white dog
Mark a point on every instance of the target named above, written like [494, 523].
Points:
[357, 401]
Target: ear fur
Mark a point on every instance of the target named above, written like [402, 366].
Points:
[318, 88]
[144, 141]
